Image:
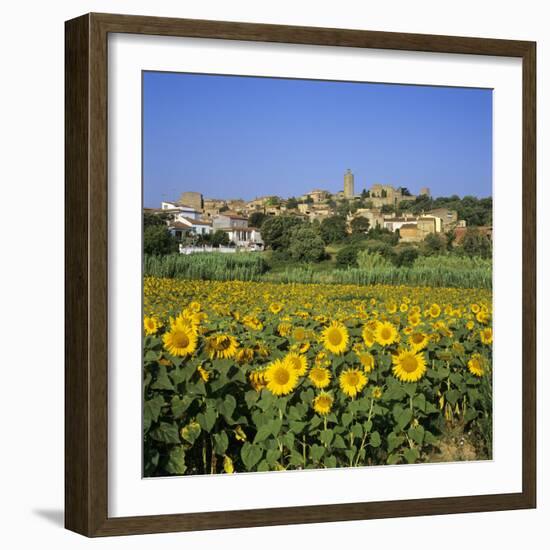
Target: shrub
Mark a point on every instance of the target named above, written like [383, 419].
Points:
[333, 229]
[347, 256]
[157, 240]
[406, 257]
[306, 245]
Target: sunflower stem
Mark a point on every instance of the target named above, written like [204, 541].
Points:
[363, 440]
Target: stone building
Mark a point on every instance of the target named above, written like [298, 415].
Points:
[317, 195]
[380, 195]
[449, 217]
[415, 229]
[192, 198]
[374, 215]
[229, 220]
[349, 185]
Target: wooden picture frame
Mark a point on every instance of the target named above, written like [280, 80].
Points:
[86, 280]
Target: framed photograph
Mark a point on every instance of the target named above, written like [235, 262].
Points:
[300, 274]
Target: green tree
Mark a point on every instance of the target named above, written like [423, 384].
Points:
[309, 199]
[450, 238]
[333, 229]
[382, 234]
[434, 244]
[306, 245]
[477, 244]
[156, 219]
[219, 238]
[292, 203]
[276, 231]
[256, 219]
[158, 241]
[387, 209]
[406, 257]
[359, 225]
[343, 208]
[347, 256]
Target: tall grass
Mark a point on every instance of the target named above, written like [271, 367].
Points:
[437, 271]
[368, 260]
[206, 265]
[473, 273]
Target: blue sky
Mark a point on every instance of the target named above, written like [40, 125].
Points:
[242, 137]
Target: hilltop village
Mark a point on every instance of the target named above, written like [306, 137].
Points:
[192, 218]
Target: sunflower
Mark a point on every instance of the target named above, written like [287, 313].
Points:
[352, 381]
[253, 323]
[322, 360]
[302, 347]
[434, 311]
[297, 362]
[284, 329]
[275, 307]
[376, 392]
[180, 340]
[244, 356]
[418, 341]
[228, 465]
[408, 365]
[335, 338]
[262, 349]
[366, 360]
[475, 308]
[414, 319]
[320, 377]
[476, 365]
[482, 317]
[322, 404]
[221, 346]
[151, 325]
[458, 348]
[299, 334]
[281, 377]
[368, 336]
[185, 320]
[239, 434]
[403, 307]
[203, 373]
[257, 379]
[486, 335]
[386, 334]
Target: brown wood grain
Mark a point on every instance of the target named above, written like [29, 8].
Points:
[86, 274]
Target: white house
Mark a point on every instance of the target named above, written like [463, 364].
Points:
[245, 237]
[185, 225]
[180, 210]
[393, 224]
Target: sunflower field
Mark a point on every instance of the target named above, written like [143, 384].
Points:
[247, 376]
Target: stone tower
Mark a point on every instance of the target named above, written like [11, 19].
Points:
[425, 191]
[193, 199]
[349, 191]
